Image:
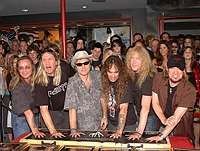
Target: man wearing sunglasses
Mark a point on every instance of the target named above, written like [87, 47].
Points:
[83, 95]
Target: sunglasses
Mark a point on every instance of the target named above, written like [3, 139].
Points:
[80, 64]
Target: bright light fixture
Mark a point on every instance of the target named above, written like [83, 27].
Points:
[84, 6]
[25, 10]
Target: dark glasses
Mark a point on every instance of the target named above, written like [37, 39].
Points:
[80, 64]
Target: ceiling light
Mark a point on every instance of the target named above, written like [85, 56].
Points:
[25, 10]
[84, 6]
[33, 27]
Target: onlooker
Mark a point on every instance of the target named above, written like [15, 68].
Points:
[155, 44]
[15, 46]
[136, 37]
[192, 70]
[32, 52]
[23, 47]
[165, 36]
[175, 47]
[163, 54]
[70, 51]
[97, 50]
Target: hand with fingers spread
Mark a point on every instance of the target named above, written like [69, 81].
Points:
[57, 134]
[116, 135]
[134, 136]
[38, 134]
[154, 138]
[96, 134]
[157, 138]
[75, 133]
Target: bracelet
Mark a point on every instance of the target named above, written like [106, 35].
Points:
[161, 135]
[73, 129]
[138, 133]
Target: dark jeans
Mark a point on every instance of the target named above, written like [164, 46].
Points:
[60, 119]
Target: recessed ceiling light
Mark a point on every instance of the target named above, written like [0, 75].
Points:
[25, 10]
[84, 6]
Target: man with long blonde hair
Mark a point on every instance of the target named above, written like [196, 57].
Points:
[142, 71]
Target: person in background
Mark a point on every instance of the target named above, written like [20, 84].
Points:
[50, 87]
[155, 44]
[181, 39]
[165, 36]
[175, 47]
[118, 48]
[117, 93]
[115, 37]
[142, 71]
[83, 96]
[173, 99]
[24, 118]
[136, 37]
[32, 52]
[80, 43]
[97, 50]
[70, 51]
[108, 52]
[192, 71]
[15, 46]
[8, 74]
[163, 54]
[23, 47]
[141, 43]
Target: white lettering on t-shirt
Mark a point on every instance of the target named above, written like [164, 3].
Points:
[57, 89]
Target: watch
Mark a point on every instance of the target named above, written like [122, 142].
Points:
[161, 135]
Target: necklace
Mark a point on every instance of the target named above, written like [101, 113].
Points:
[170, 90]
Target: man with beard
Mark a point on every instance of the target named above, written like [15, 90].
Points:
[173, 99]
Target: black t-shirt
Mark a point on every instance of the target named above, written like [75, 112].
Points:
[168, 109]
[113, 111]
[53, 96]
[146, 89]
[96, 63]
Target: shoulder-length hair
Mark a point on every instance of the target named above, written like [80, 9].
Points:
[41, 75]
[18, 78]
[147, 67]
[193, 63]
[159, 57]
[11, 65]
[122, 81]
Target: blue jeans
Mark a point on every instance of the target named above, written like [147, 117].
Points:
[127, 127]
[152, 123]
[20, 125]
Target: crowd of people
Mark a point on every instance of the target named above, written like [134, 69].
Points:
[152, 85]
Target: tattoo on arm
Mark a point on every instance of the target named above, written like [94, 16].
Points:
[33, 122]
[120, 121]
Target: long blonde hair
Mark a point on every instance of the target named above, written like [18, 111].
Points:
[41, 75]
[147, 67]
[18, 78]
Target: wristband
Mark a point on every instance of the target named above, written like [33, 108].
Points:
[73, 129]
[138, 133]
[161, 135]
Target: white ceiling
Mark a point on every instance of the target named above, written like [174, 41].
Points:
[14, 7]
